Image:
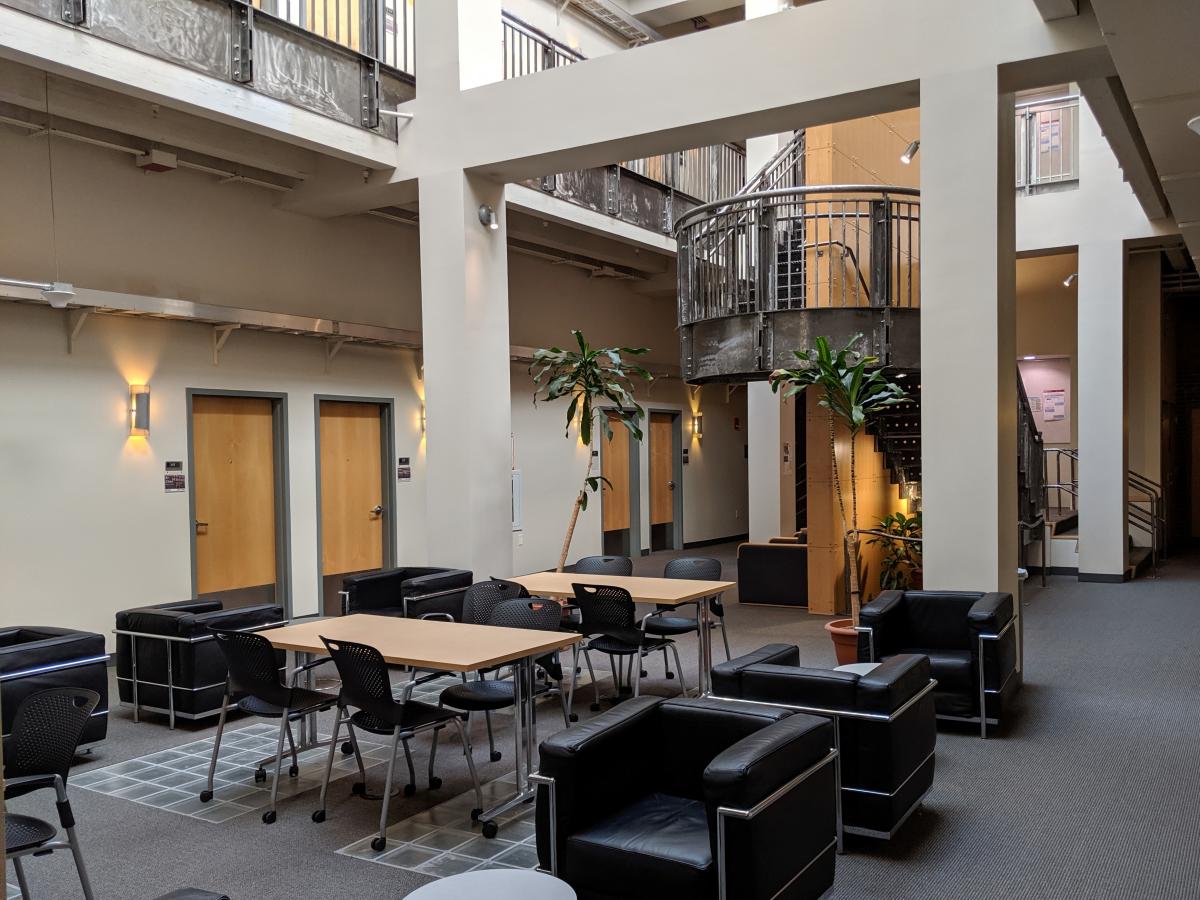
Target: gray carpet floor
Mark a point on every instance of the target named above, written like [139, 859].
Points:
[1090, 792]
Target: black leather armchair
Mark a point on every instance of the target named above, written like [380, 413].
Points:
[970, 639]
[775, 574]
[696, 798]
[885, 723]
[36, 658]
[167, 660]
[407, 592]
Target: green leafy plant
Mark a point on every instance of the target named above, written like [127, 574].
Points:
[852, 386]
[600, 383]
[901, 554]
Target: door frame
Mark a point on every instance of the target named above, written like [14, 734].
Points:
[387, 453]
[635, 488]
[676, 469]
[283, 504]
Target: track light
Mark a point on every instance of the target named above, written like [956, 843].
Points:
[1194, 124]
[909, 152]
[57, 293]
[487, 217]
[1070, 279]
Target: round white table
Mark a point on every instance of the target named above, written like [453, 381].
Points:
[496, 884]
[858, 668]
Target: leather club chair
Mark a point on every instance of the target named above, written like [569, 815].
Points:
[659, 799]
[180, 671]
[36, 658]
[775, 574]
[885, 722]
[969, 637]
[407, 592]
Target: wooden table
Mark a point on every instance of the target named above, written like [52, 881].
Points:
[673, 592]
[442, 646]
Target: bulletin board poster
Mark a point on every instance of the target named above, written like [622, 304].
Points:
[1048, 386]
[1054, 405]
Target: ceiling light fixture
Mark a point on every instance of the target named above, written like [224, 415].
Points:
[57, 293]
[487, 217]
[1194, 124]
[1028, 357]
[1070, 279]
[909, 152]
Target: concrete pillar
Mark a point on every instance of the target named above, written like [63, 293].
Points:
[764, 432]
[1101, 403]
[458, 46]
[968, 333]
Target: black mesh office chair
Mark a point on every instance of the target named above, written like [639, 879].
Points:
[37, 755]
[608, 616]
[254, 679]
[603, 565]
[366, 686]
[488, 696]
[664, 624]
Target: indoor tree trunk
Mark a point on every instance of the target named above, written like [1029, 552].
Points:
[566, 547]
[852, 535]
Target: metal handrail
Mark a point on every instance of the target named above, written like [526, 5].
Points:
[802, 190]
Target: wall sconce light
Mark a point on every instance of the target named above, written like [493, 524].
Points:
[422, 418]
[487, 217]
[1070, 279]
[698, 424]
[909, 152]
[139, 410]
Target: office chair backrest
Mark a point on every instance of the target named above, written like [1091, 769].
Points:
[46, 731]
[604, 565]
[696, 568]
[602, 606]
[364, 674]
[536, 615]
[480, 599]
[253, 665]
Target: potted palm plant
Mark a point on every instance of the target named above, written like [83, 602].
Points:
[900, 537]
[599, 381]
[851, 386]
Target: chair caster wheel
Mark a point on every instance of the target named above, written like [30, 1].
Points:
[205, 796]
[595, 707]
[294, 771]
[318, 815]
[359, 789]
[269, 817]
[476, 813]
[496, 756]
[379, 844]
[574, 717]
[490, 830]
[670, 676]
[347, 748]
[435, 783]
[409, 790]
[260, 775]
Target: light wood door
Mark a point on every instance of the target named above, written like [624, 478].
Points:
[352, 510]
[614, 466]
[233, 455]
[662, 468]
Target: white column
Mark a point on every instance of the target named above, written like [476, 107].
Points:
[968, 333]
[764, 435]
[1100, 403]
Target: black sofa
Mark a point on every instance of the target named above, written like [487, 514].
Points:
[886, 726]
[407, 592]
[180, 670]
[969, 637]
[659, 799]
[38, 657]
[775, 573]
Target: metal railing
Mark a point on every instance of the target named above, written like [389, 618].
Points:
[382, 29]
[1047, 142]
[818, 246]
[702, 173]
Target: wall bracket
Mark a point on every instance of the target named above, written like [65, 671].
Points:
[333, 346]
[74, 12]
[370, 93]
[242, 43]
[220, 335]
[75, 320]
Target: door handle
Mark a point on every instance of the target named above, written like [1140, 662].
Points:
[671, 485]
[200, 524]
[377, 510]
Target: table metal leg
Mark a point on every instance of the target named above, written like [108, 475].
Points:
[133, 663]
[170, 688]
[524, 738]
[704, 643]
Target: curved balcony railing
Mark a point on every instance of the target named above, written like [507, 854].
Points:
[817, 246]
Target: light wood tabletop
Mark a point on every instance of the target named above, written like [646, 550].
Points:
[423, 643]
[667, 591]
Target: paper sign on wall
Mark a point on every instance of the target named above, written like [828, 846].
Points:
[1054, 405]
[173, 478]
[403, 469]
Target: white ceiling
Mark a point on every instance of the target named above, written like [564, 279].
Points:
[1155, 45]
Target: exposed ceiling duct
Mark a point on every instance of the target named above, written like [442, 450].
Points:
[616, 20]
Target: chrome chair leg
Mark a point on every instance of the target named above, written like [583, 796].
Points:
[466, 742]
[207, 793]
[362, 770]
[434, 781]
[380, 842]
[319, 814]
[84, 881]
[493, 754]
[636, 670]
[21, 882]
[269, 816]
[294, 770]
[587, 657]
[682, 684]
[725, 638]
[411, 787]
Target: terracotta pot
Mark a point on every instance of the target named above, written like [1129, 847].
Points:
[845, 640]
